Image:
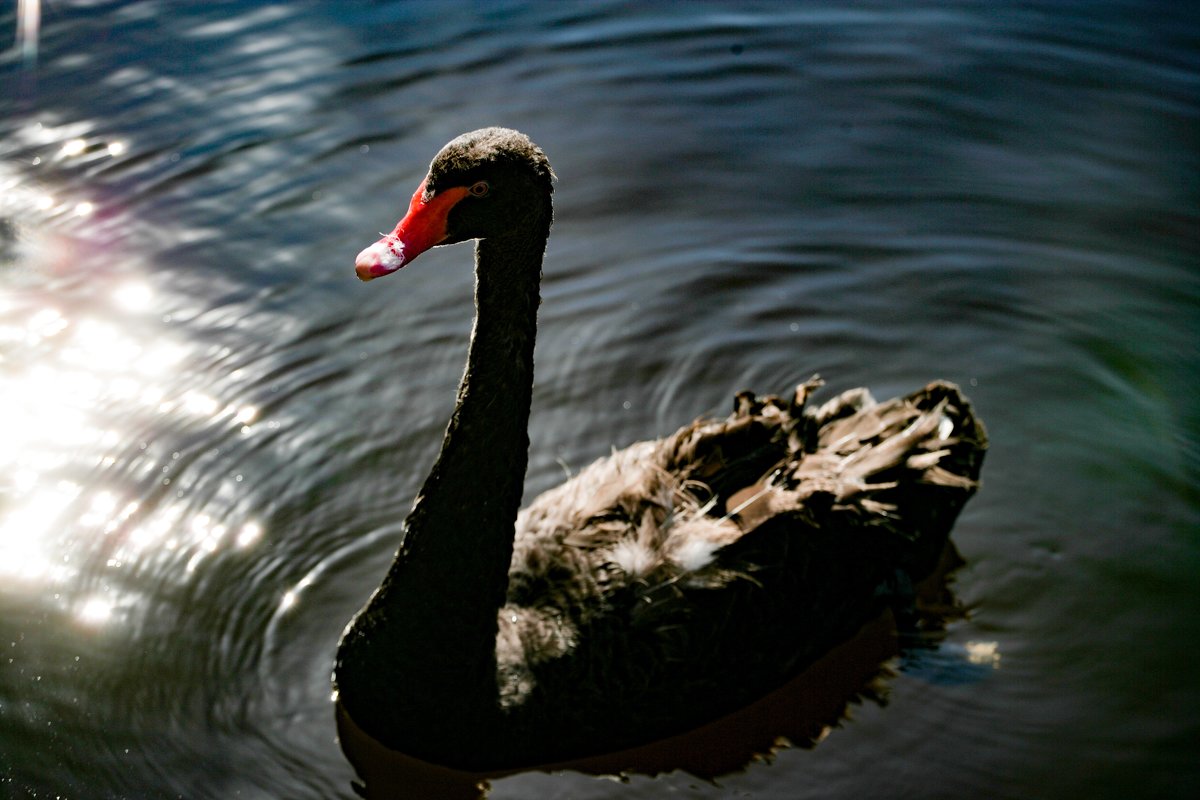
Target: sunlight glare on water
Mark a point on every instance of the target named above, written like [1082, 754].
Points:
[29, 19]
[78, 384]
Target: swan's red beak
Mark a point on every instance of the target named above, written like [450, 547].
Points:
[423, 227]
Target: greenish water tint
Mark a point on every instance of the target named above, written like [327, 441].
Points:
[210, 431]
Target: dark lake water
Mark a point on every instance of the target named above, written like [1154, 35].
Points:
[210, 431]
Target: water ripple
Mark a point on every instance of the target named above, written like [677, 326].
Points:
[210, 432]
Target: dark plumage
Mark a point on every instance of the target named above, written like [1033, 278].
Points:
[659, 588]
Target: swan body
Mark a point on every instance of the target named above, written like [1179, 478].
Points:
[662, 587]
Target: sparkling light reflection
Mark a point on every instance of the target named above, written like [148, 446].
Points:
[82, 381]
[292, 596]
[95, 611]
[29, 20]
[984, 653]
[133, 296]
[72, 148]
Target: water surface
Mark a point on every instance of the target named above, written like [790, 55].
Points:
[210, 432]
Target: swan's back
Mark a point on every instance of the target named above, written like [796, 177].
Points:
[683, 577]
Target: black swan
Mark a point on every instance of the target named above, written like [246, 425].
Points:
[660, 588]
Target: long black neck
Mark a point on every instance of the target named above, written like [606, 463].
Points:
[419, 661]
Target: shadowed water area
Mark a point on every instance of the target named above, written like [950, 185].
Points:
[210, 431]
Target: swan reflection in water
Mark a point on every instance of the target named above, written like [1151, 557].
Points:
[800, 714]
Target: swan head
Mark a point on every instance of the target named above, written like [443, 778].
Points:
[488, 183]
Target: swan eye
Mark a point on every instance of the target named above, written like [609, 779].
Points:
[480, 189]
